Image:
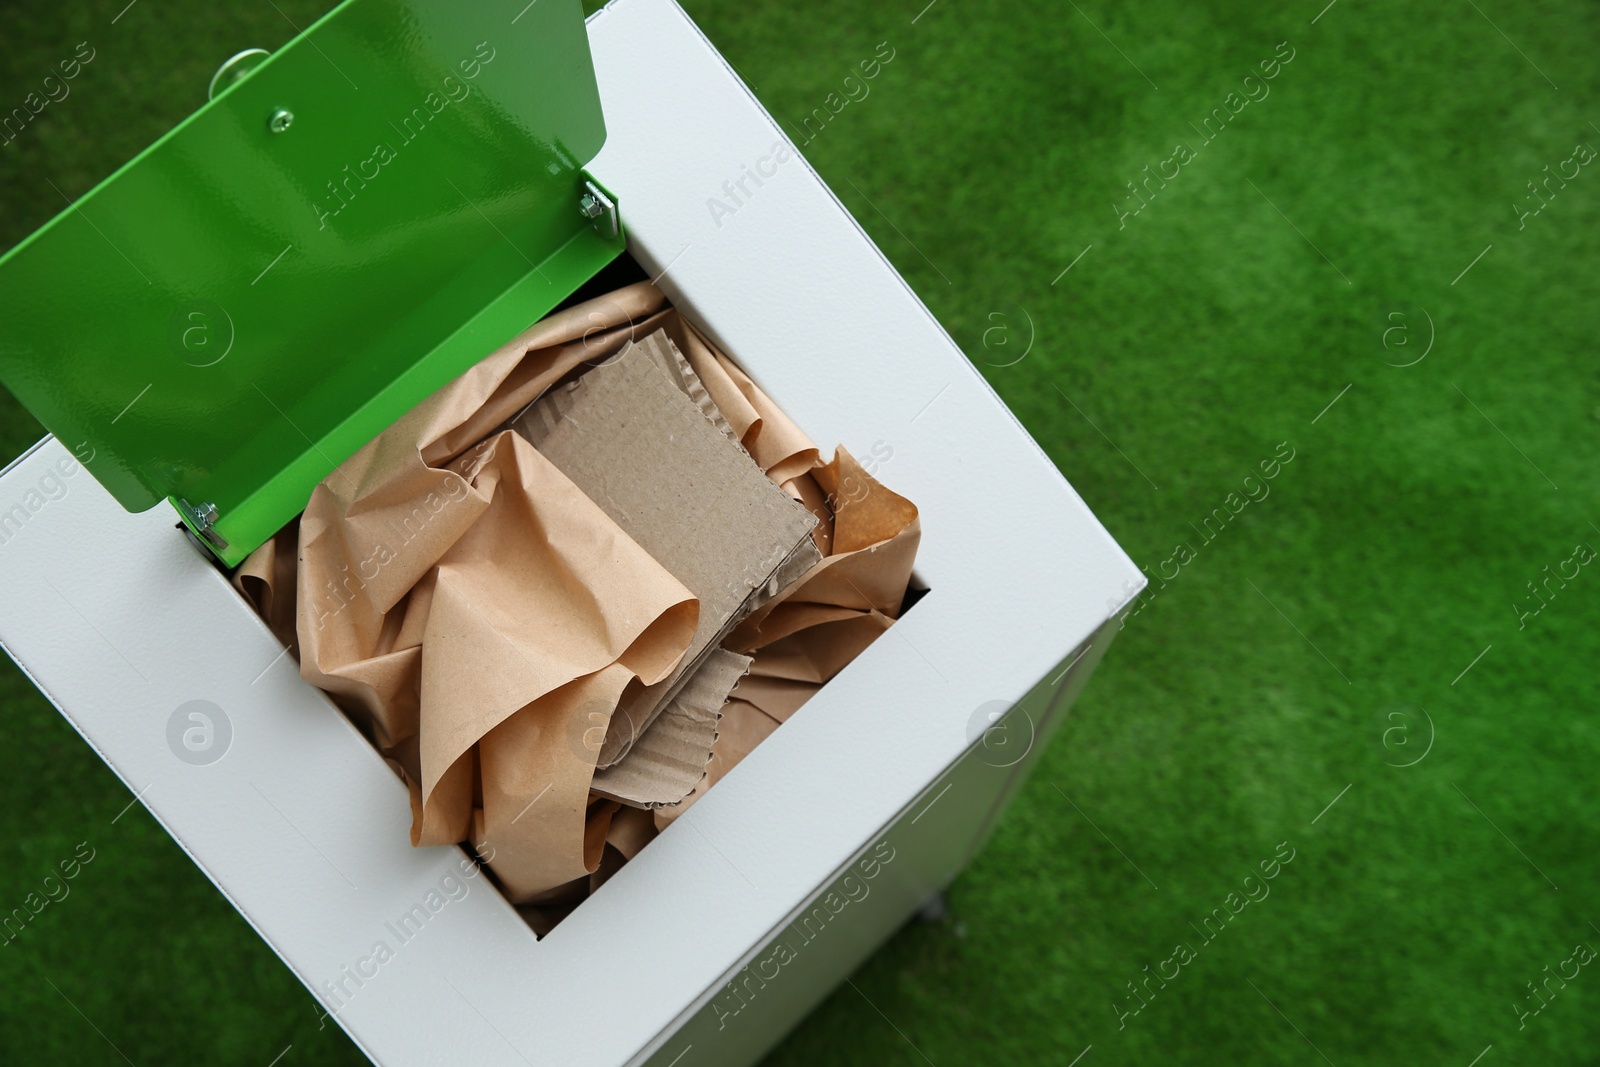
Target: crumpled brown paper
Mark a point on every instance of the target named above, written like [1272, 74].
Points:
[436, 601]
[848, 598]
[266, 579]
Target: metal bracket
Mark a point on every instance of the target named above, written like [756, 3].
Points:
[600, 210]
[202, 518]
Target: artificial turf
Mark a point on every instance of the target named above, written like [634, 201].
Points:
[1295, 659]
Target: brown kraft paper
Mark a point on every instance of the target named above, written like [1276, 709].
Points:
[435, 602]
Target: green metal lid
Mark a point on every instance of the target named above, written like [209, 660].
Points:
[342, 230]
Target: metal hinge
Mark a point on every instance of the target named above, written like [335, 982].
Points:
[600, 210]
[202, 518]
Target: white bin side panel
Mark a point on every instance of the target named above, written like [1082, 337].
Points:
[756, 1004]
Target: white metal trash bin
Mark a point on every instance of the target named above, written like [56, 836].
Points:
[752, 906]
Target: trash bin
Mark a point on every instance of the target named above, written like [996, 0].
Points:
[408, 184]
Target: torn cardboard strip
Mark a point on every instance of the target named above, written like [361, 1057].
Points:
[743, 727]
[669, 759]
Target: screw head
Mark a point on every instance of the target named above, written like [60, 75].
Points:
[589, 207]
[281, 120]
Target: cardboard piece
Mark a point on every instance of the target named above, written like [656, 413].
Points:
[742, 728]
[777, 445]
[810, 631]
[669, 759]
[629, 435]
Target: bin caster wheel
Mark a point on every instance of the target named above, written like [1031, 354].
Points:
[932, 909]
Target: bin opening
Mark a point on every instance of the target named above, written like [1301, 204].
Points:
[569, 592]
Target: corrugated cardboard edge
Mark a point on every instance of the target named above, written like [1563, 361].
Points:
[543, 412]
[694, 386]
[795, 566]
[536, 421]
[669, 759]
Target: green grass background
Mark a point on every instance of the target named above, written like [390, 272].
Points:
[1252, 689]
